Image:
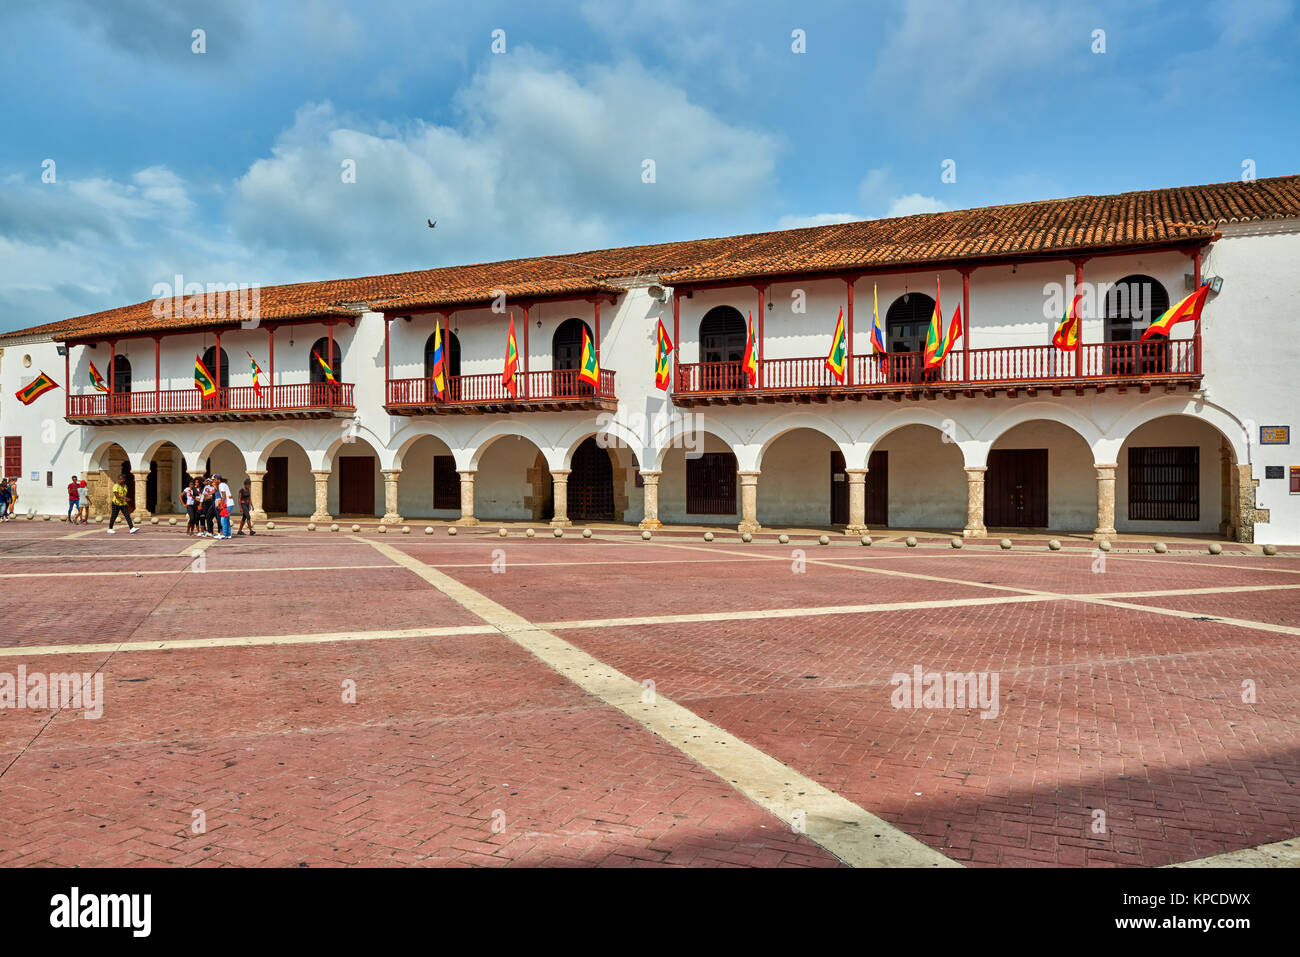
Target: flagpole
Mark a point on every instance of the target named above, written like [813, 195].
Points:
[1078, 322]
[848, 352]
[966, 324]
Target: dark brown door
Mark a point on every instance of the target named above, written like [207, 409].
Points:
[839, 490]
[591, 484]
[151, 488]
[275, 485]
[446, 482]
[1015, 488]
[357, 485]
[711, 484]
[878, 489]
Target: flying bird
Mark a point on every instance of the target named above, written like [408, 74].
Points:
[431, 222]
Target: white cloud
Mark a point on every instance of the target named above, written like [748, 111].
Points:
[914, 203]
[817, 219]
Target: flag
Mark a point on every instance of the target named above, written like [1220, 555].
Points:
[512, 361]
[257, 371]
[955, 329]
[1189, 307]
[934, 335]
[663, 348]
[751, 354]
[97, 380]
[839, 349]
[35, 389]
[590, 369]
[1067, 333]
[438, 372]
[203, 380]
[325, 367]
[877, 329]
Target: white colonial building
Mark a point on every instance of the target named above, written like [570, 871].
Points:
[1189, 434]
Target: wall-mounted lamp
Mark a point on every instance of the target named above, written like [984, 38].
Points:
[61, 350]
[539, 323]
[1214, 282]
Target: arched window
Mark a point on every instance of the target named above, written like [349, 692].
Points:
[451, 345]
[1131, 305]
[210, 361]
[121, 374]
[722, 349]
[321, 347]
[566, 358]
[906, 325]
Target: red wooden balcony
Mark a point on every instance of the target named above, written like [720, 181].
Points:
[478, 394]
[303, 400]
[1121, 365]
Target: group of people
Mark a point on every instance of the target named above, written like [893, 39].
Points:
[210, 505]
[78, 502]
[8, 498]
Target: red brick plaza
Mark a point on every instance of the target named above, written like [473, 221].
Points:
[612, 701]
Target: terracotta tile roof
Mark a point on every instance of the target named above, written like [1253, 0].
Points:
[1045, 229]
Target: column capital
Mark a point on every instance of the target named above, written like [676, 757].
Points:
[859, 474]
[255, 473]
[650, 473]
[467, 474]
[749, 478]
[560, 473]
[322, 473]
[390, 472]
[976, 468]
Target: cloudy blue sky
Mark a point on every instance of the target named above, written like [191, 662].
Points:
[226, 165]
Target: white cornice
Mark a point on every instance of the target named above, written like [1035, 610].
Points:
[1262, 227]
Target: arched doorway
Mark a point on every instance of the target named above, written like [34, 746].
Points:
[918, 480]
[121, 374]
[166, 475]
[1179, 474]
[591, 484]
[804, 483]
[700, 483]
[566, 358]
[907, 323]
[722, 348]
[288, 488]
[512, 481]
[451, 348]
[210, 361]
[321, 347]
[1040, 475]
[429, 486]
[356, 486]
[1132, 304]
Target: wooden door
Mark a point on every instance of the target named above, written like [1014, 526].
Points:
[1015, 488]
[275, 485]
[711, 484]
[446, 482]
[591, 484]
[357, 485]
[839, 490]
[877, 490]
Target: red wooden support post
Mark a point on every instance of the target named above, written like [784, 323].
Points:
[596, 345]
[112, 361]
[761, 311]
[270, 341]
[966, 324]
[387, 321]
[527, 321]
[1078, 322]
[1196, 332]
[848, 355]
[157, 371]
[67, 378]
[677, 338]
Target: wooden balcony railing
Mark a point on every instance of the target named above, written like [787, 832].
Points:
[1012, 366]
[558, 388]
[290, 400]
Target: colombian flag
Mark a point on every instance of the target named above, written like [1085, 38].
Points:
[877, 328]
[35, 389]
[97, 380]
[1186, 308]
[839, 349]
[751, 354]
[438, 373]
[325, 367]
[512, 361]
[934, 351]
[257, 371]
[590, 370]
[1067, 333]
[663, 349]
[203, 380]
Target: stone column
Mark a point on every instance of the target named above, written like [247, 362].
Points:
[857, 502]
[141, 513]
[467, 498]
[650, 488]
[1247, 513]
[391, 516]
[255, 494]
[748, 502]
[322, 513]
[975, 502]
[560, 486]
[101, 493]
[1105, 503]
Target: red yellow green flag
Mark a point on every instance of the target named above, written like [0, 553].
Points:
[663, 349]
[934, 335]
[839, 349]
[751, 354]
[203, 380]
[955, 330]
[589, 371]
[1067, 333]
[1189, 307]
[97, 380]
[325, 367]
[35, 389]
[257, 372]
[512, 361]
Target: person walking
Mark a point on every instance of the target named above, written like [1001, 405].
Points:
[225, 504]
[208, 510]
[6, 498]
[121, 507]
[187, 499]
[74, 500]
[246, 508]
[83, 502]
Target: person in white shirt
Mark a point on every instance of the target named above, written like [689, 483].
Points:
[224, 505]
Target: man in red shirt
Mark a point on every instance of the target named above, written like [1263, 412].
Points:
[74, 498]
